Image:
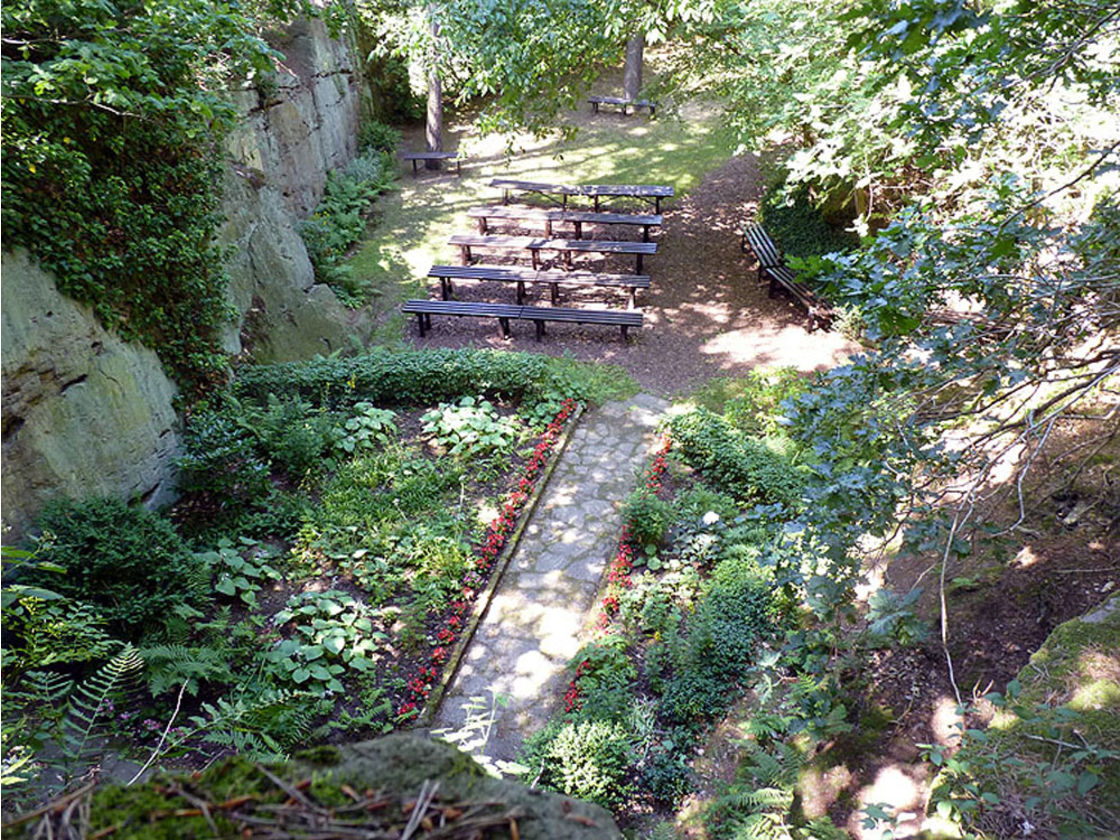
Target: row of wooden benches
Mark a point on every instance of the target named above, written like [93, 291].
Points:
[522, 277]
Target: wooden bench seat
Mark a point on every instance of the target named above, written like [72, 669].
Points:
[536, 244]
[772, 264]
[416, 157]
[539, 315]
[522, 276]
[623, 103]
[648, 192]
[576, 218]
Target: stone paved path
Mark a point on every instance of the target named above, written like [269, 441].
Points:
[547, 595]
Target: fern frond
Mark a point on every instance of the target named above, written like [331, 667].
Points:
[89, 700]
[169, 666]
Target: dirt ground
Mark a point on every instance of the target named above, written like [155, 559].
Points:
[706, 314]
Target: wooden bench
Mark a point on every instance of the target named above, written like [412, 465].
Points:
[772, 264]
[550, 217]
[535, 245]
[416, 157]
[539, 315]
[647, 192]
[522, 276]
[622, 102]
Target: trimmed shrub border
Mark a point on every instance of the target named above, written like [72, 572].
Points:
[503, 537]
[618, 572]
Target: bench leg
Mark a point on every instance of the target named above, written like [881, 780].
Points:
[540, 330]
[657, 204]
[420, 323]
[482, 225]
[625, 334]
[568, 260]
[639, 271]
[464, 254]
[535, 256]
[555, 293]
[458, 168]
[579, 229]
[520, 293]
[445, 287]
[504, 324]
[548, 228]
[595, 199]
[633, 304]
[773, 285]
[645, 233]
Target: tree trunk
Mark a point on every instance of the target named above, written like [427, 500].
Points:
[434, 128]
[632, 75]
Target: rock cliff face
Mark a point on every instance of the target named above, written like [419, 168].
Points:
[288, 141]
[85, 414]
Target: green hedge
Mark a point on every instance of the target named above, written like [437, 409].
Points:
[734, 463]
[414, 377]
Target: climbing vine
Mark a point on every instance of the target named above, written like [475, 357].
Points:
[112, 117]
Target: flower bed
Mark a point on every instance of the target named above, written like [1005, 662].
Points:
[427, 676]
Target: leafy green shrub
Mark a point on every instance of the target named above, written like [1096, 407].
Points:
[588, 759]
[606, 680]
[728, 622]
[367, 428]
[127, 561]
[647, 517]
[693, 696]
[470, 427]
[43, 629]
[289, 432]
[377, 137]
[798, 227]
[425, 377]
[221, 459]
[333, 632]
[666, 773]
[736, 464]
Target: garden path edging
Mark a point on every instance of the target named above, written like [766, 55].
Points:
[482, 603]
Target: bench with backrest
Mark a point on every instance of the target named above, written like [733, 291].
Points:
[623, 103]
[416, 157]
[539, 315]
[522, 276]
[535, 244]
[577, 219]
[647, 192]
[772, 264]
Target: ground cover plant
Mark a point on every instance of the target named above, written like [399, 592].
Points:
[333, 620]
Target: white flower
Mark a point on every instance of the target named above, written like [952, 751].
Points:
[710, 518]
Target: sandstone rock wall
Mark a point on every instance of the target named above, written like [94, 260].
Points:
[291, 136]
[86, 414]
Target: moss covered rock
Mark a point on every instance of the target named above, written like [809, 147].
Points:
[376, 785]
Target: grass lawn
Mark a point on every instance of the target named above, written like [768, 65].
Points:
[410, 227]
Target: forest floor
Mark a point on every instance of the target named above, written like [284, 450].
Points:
[707, 316]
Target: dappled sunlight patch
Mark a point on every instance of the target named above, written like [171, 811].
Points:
[900, 787]
[946, 722]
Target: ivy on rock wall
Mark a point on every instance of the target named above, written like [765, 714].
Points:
[112, 113]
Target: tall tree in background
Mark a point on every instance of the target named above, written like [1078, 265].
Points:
[632, 73]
